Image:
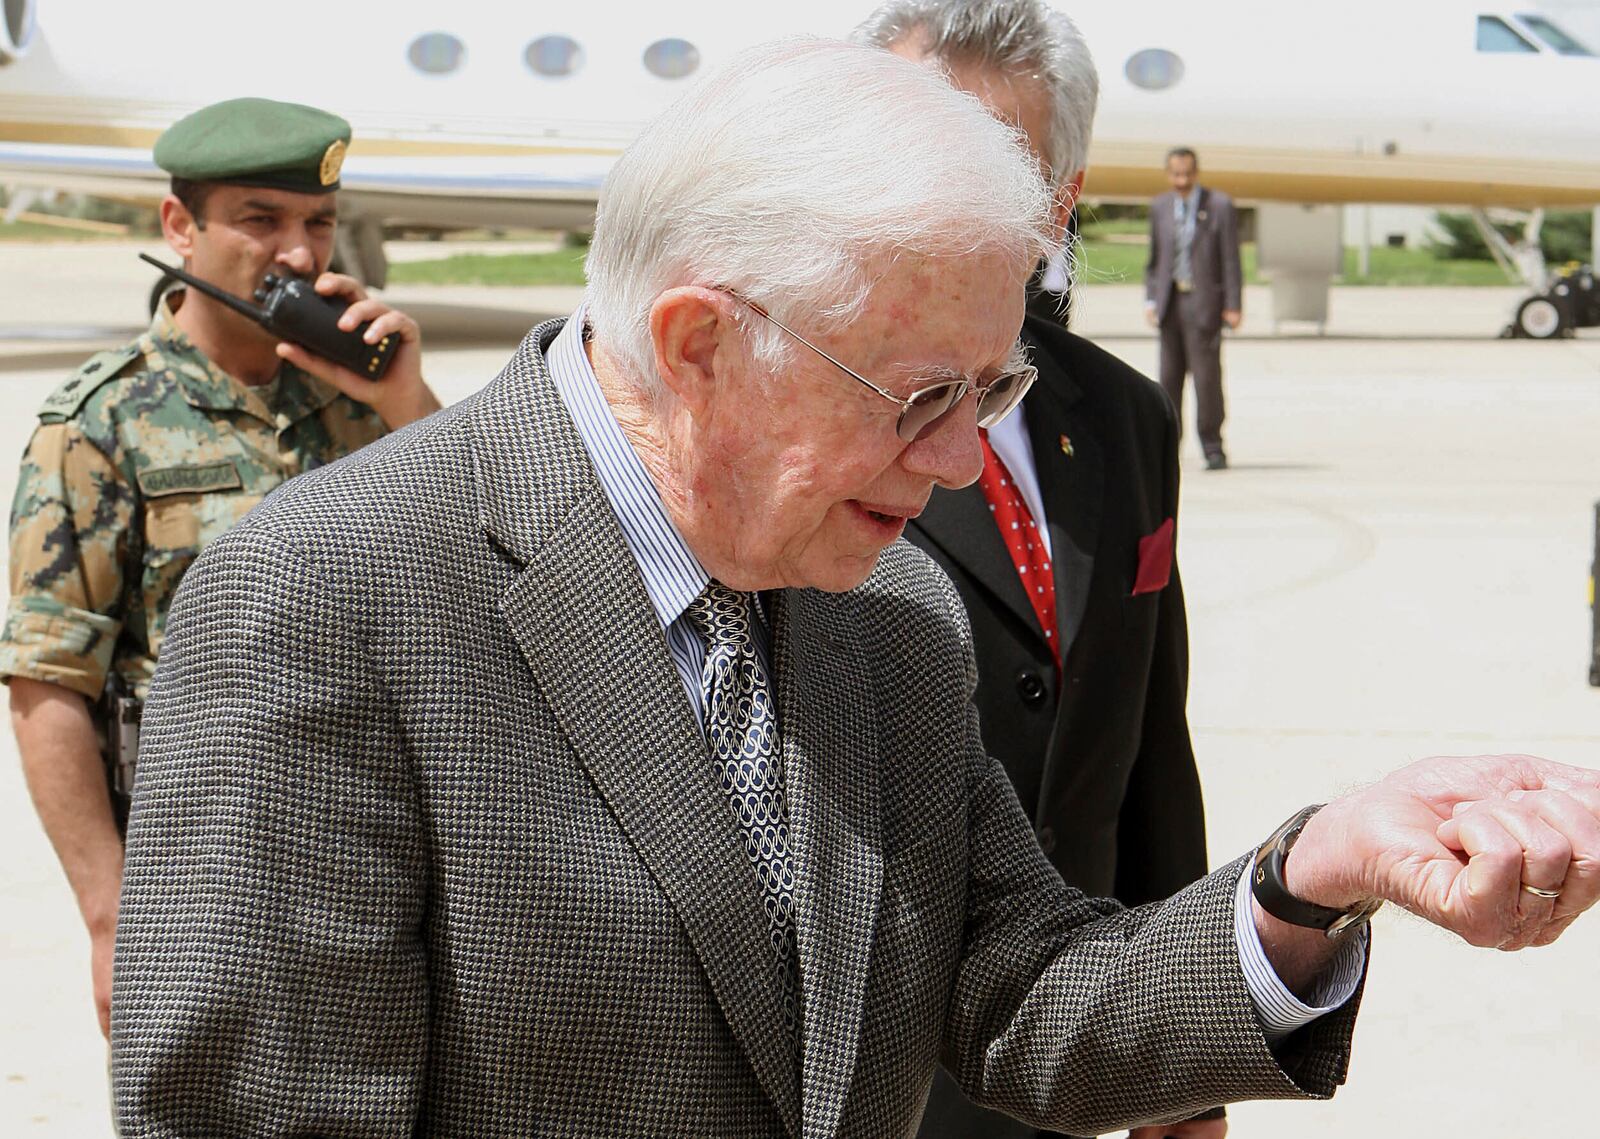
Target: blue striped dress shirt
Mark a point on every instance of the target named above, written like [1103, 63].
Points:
[673, 577]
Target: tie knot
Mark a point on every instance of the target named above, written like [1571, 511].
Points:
[720, 615]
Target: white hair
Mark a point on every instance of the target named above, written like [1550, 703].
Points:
[789, 177]
[1008, 37]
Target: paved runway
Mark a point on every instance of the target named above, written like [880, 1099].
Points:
[1395, 567]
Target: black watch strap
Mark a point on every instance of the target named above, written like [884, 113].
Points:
[1267, 884]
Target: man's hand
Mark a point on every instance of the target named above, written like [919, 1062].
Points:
[1150, 317]
[1189, 1129]
[1501, 850]
[1233, 318]
[402, 396]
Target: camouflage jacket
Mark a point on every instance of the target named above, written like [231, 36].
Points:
[139, 460]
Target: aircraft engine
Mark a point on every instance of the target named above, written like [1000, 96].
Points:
[18, 20]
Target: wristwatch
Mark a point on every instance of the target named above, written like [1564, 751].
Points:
[1267, 884]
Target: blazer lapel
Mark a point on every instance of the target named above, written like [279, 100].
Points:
[831, 773]
[579, 612]
[960, 523]
[1072, 487]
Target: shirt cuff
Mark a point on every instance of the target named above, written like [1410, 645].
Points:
[1281, 1012]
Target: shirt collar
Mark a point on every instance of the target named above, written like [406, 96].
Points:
[673, 576]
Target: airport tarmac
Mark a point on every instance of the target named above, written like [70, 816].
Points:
[1394, 567]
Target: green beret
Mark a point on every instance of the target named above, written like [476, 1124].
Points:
[257, 142]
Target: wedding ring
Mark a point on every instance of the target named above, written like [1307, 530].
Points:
[1538, 893]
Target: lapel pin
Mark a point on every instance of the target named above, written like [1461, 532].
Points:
[1066, 446]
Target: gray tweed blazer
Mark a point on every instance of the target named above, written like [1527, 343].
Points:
[426, 842]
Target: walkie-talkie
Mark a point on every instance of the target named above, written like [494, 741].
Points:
[292, 310]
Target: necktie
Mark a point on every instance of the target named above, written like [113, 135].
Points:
[1182, 270]
[1023, 541]
[742, 733]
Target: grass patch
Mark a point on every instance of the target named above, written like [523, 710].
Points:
[1102, 262]
[33, 231]
[1122, 263]
[1127, 227]
[1388, 266]
[1111, 263]
[557, 267]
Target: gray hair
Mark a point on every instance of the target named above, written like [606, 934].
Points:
[791, 176]
[1008, 37]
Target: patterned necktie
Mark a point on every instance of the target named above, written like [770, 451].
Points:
[1182, 270]
[1023, 541]
[742, 732]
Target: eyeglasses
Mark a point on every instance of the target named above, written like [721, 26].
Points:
[926, 408]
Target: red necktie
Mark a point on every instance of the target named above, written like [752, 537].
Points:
[1023, 540]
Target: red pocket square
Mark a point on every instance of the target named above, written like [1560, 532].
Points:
[1155, 560]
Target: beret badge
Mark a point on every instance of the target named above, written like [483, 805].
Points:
[332, 162]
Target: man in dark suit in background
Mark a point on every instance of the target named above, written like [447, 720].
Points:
[1191, 289]
[1081, 687]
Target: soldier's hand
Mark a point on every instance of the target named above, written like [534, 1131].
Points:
[402, 395]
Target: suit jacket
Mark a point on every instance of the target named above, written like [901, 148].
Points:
[1213, 255]
[426, 841]
[1099, 753]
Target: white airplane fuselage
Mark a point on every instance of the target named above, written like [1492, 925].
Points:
[1367, 102]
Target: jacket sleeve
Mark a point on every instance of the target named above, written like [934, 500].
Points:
[1076, 1015]
[1151, 294]
[72, 534]
[1232, 276]
[270, 974]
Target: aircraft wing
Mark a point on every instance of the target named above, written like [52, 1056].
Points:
[552, 191]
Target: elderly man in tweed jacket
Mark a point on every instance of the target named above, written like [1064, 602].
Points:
[591, 759]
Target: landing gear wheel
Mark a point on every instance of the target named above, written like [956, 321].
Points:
[1540, 318]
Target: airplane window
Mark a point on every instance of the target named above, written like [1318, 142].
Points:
[554, 56]
[16, 33]
[671, 59]
[1555, 36]
[1154, 69]
[1494, 34]
[437, 53]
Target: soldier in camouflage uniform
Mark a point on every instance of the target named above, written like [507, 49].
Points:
[151, 451]
[141, 459]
